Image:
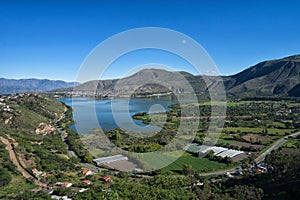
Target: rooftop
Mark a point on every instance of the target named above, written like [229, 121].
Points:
[109, 159]
[218, 151]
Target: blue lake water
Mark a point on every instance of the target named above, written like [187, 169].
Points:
[113, 113]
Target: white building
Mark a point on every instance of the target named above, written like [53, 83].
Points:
[110, 159]
[218, 151]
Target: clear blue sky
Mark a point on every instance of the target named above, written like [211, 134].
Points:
[50, 39]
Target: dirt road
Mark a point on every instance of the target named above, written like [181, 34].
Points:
[14, 159]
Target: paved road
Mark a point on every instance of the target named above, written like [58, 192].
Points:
[91, 167]
[274, 147]
[64, 136]
[72, 154]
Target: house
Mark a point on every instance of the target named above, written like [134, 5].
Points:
[36, 172]
[238, 171]
[229, 175]
[198, 183]
[66, 184]
[83, 189]
[106, 179]
[60, 197]
[48, 190]
[86, 172]
[137, 170]
[262, 167]
[88, 182]
[45, 175]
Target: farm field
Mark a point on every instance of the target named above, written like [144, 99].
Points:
[270, 131]
[198, 164]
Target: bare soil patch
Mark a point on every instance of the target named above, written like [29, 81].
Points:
[123, 165]
[240, 157]
[258, 138]
[246, 144]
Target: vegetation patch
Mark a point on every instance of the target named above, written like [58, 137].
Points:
[197, 164]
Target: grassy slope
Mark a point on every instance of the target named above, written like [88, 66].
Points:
[28, 112]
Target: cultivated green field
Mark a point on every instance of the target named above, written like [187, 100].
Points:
[198, 164]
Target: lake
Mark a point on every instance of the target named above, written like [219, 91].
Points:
[113, 113]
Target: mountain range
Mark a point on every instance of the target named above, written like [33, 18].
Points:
[10, 86]
[280, 77]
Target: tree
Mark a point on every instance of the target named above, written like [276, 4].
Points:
[247, 192]
[88, 158]
[64, 192]
[203, 193]
[210, 154]
[187, 169]
[227, 160]
[5, 177]
[122, 174]
[118, 136]
[32, 195]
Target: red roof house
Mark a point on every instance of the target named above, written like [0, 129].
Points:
[46, 175]
[86, 172]
[106, 179]
[87, 181]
